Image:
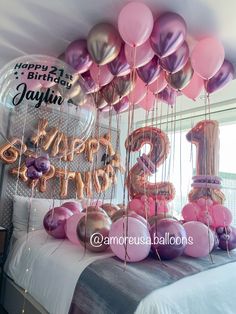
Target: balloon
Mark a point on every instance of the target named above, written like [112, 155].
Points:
[216, 240]
[119, 66]
[191, 211]
[92, 87]
[77, 56]
[106, 108]
[139, 92]
[204, 203]
[221, 216]
[136, 230]
[177, 60]
[139, 56]
[180, 79]
[194, 88]
[122, 105]
[201, 239]
[99, 100]
[110, 94]
[123, 85]
[207, 57]
[138, 180]
[168, 34]
[148, 102]
[135, 23]
[93, 208]
[42, 164]
[221, 78]
[70, 227]
[103, 43]
[159, 84]
[228, 240]
[29, 161]
[137, 206]
[100, 74]
[168, 238]
[33, 174]
[54, 221]
[75, 207]
[150, 71]
[168, 95]
[110, 209]
[93, 230]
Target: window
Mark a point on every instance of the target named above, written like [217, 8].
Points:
[181, 161]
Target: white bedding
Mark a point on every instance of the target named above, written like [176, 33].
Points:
[54, 267]
[50, 270]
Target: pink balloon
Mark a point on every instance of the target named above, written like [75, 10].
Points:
[101, 74]
[71, 226]
[73, 206]
[190, 212]
[200, 239]
[194, 88]
[135, 23]
[148, 102]
[139, 92]
[137, 206]
[205, 217]
[140, 218]
[207, 57]
[204, 203]
[136, 251]
[221, 216]
[159, 84]
[139, 56]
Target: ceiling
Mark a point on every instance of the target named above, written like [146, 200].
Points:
[47, 26]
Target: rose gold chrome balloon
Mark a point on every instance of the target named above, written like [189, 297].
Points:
[180, 79]
[103, 43]
[138, 179]
[93, 230]
[110, 209]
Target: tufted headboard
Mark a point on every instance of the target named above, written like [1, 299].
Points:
[12, 125]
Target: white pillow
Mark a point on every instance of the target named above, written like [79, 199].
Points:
[29, 213]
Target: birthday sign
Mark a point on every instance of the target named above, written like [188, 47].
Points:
[63, 147]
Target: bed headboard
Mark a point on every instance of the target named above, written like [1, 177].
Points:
[13, 126]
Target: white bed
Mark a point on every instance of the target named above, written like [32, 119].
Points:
[51, 268]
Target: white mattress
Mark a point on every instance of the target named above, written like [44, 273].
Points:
[54, 267]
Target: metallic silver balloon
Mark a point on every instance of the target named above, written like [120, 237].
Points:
[104, 43]
[180, 79]
[99, 100]
[123, 85]
[93, 231]
[110, 94]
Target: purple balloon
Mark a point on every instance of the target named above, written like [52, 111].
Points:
[90, 85]
[169, 238]
[77, 56]
[122, 105]
[119, 65]
[54, 221]
[177, 60]
[33, 174]
[228, 241]
[42, 164]
[29, 161]
[168, 34]
[221, 78]
[168, 95]
[216, 240]
[150, 71]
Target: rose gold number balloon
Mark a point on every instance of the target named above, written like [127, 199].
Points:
[138, 178]
[205, 135]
